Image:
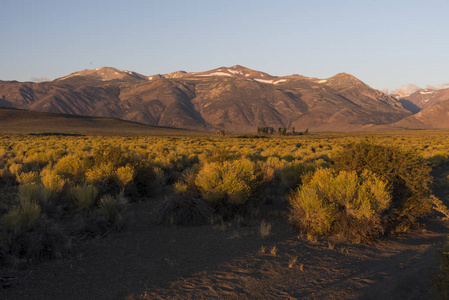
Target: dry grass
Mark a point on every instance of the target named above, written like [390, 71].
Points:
[265, 229]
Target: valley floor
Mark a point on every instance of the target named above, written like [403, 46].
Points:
[225, 261]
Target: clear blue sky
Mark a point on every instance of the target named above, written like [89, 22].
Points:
[384, 43]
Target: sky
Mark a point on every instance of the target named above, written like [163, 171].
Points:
[386, 44]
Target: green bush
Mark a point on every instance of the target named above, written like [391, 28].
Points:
[343, 204]
[407, 174]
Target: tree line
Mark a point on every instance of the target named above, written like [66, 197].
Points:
[267, 130]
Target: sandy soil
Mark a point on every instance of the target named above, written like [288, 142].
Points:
[225, 261]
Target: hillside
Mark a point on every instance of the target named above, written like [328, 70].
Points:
[234, 99]
[422, 99]
[432, 117]
[22, 121]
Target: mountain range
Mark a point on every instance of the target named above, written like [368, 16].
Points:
[229, 98]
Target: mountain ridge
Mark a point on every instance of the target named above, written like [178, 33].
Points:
[231, 98]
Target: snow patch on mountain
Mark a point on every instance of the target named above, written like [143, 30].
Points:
[263, 80]
[216, 74]
[279, 81]
[427, 92]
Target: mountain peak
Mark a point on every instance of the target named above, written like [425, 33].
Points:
[344, 75]
[344, 79]
[239, 71]
[106, 74]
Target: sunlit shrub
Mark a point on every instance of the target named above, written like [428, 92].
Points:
[71, 166]
[230, 183]
[123, 176]
[113, 155]
[100, 173]
[407, 174]
[52, 182]
[15, 169]
[38, 157]
[28, 178]
[186, 185]
[343, 204]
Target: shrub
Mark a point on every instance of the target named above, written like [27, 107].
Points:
[15, 169]
[71, 166]
[44, 240]
[292, 173]
[149, 180]
[88, 223]
[52, 182]
[85, 196]
[112, 209]
[24, 215]
[123, 176]
[227, 184]
[27, 234]
[183, 210]
[29, 193]
[28, 178]
[343, 204]
[407, 174]
[186, 186]
[440, 280]
[113, 155]
[265, 229]
[100, 173]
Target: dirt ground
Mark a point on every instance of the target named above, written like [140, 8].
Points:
[227, 261]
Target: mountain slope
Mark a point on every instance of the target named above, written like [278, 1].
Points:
[23, 121]
[423, 98]
[234, 98]
[435, 116]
